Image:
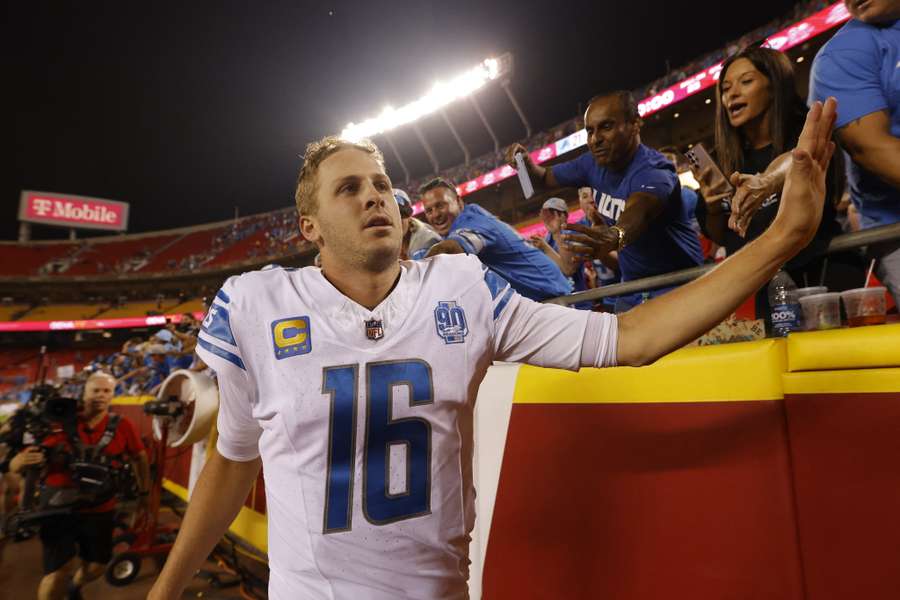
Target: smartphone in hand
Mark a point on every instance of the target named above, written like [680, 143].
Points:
[524, 179]
[700, 160]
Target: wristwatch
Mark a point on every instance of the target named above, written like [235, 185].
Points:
[620, 234]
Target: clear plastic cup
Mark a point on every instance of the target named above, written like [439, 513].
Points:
[821, 311]
[865, 306]
[811, 291]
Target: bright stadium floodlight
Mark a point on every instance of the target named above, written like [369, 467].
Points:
[440, 95]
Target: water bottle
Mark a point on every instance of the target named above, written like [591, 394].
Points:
[785, 305]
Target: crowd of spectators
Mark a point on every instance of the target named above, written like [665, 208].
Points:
[142, 364]
[139, 367]
[492, 160]
[649, 224]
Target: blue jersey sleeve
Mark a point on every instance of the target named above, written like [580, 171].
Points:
[216, 343]
[574, 173]
[471, 240]
[848, 68]
[473, 230]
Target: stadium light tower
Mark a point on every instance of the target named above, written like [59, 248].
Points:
[441, 94]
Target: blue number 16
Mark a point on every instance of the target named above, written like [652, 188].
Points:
[381, 432]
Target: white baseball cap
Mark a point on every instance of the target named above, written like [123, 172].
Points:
[555, 204]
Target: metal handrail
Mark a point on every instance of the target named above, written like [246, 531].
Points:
[847, 241]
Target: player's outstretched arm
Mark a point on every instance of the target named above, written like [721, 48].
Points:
[220, 492]
[666, 323]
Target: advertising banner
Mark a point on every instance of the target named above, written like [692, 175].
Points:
[78, 212]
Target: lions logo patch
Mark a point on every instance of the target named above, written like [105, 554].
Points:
[450, 321]
[291, 337]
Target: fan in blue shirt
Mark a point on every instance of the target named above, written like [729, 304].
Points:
[860, 67]
[638, 194]
[471, 229]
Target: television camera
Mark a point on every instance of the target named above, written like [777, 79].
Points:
[96, 477]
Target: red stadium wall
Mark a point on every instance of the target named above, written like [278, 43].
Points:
[725, 472]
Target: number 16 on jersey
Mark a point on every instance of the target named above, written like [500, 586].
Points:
[381, 431]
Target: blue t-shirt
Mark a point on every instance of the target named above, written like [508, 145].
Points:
[669, 243]
[860, 67]
[528, 270]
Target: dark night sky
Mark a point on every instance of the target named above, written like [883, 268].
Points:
[186, 110]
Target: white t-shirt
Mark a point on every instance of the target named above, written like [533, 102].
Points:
[367, 443]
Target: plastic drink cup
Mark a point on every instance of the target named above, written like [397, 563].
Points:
[810, 291]
[821, 311]
[865, 306]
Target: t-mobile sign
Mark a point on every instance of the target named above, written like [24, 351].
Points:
[73, 211]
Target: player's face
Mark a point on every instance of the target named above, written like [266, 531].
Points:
[746, 93]
[874, 11]
[441, 209]
[98, 393]
[611, 137]
[358, 220]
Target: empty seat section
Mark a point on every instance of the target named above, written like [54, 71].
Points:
[62, 312]
[106, 257]
[26, 259]
[240, 251]
[190, 306]
[197, 242]
[8, 313]
[139, 309]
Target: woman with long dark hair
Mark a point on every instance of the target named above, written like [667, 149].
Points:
[759, 115]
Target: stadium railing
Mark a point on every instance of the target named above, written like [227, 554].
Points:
[839, 243]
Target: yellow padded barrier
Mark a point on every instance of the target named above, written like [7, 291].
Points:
[857, 348]
[249, 525]
[847, 381]
[131, 400]
[727, 373]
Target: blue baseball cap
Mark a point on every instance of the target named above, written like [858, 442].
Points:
[164, 335]
[403, 202]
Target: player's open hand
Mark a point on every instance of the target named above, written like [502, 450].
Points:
[803, 197]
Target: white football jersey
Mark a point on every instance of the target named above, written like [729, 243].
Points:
[364, 418]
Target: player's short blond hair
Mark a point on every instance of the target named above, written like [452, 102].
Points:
[316, 153]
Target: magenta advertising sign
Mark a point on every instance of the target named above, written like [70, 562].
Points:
[66, 210]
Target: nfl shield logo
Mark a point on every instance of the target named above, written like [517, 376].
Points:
[374, 329]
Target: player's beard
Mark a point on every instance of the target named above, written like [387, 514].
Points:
[352, 251]
[379, 259]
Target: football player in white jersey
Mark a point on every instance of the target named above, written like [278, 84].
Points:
[354, 384]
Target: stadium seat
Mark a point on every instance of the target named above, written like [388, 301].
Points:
[61, 312]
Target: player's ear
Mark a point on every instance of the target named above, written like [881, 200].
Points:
[309, 229]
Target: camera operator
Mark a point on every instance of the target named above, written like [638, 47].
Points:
[91, 527]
